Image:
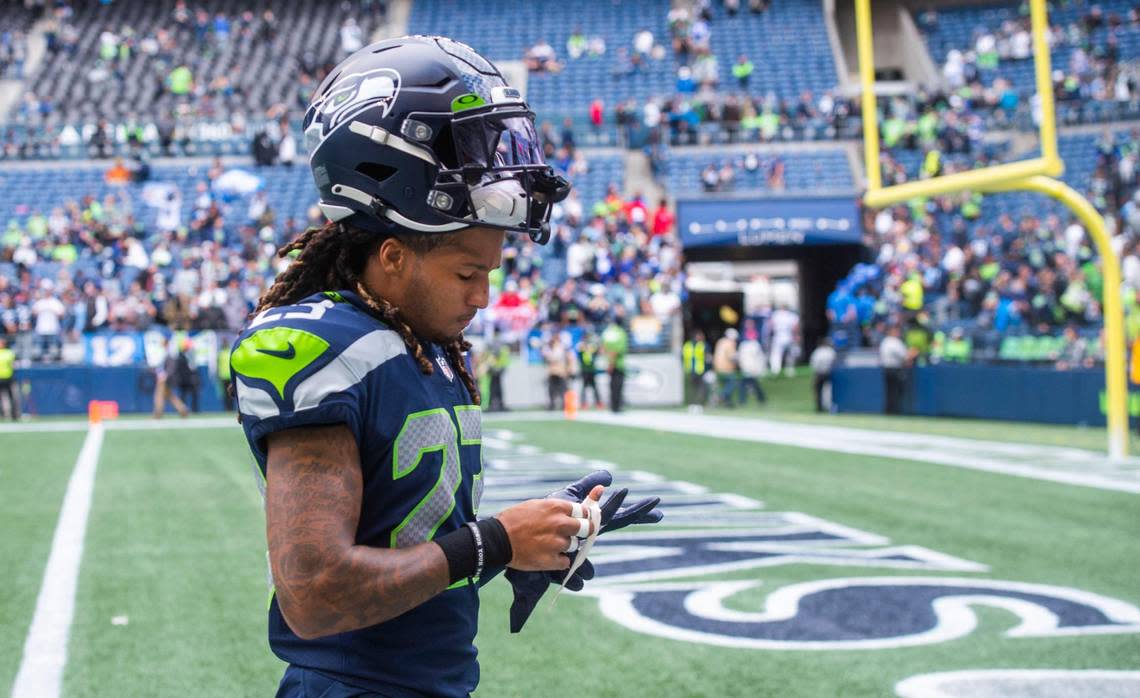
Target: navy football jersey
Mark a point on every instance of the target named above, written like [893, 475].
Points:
[326, 360]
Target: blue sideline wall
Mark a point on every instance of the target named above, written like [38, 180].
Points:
[981, 392]
[67, 389]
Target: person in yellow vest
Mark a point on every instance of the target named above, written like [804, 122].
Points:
[615, 345]
[1134, 369]
[912, 293]
[9, 393]
[693, 360]
[588, 352]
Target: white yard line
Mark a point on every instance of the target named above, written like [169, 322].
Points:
[45, 650]
[123, 425]
[1070, 466]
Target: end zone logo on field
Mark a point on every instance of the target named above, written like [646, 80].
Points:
[712, 534]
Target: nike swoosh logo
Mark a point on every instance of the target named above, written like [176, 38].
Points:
[281, 353]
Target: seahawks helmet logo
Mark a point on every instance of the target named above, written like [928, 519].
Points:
[351, 95]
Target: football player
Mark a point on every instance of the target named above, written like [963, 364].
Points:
[355, 395]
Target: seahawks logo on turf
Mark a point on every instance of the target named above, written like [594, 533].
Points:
[645, 579]
[862, 613]
[350, 96]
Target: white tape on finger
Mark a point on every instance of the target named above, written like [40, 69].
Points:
[577, 512]
[583, 528]
[571, 546]
[595, 519]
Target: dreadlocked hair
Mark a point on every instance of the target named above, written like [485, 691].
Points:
[333, 257]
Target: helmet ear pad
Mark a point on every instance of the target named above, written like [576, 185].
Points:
[406, 192]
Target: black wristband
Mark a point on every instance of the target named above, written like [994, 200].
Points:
[459, 549]
[462, 553]
[496, 543]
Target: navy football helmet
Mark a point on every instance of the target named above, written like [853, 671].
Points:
[423, 134]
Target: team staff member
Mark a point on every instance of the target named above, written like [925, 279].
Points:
[8, 390]
[588, 351]
[893, 356]
[615, 344]
[693, 354]
[354, 391]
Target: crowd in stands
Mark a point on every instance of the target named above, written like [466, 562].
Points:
[94, 264]
[721, 176]
[91, 264]
[166, 73]
[176, 73]
[1094, 46]
[953, 277]
[616, 256]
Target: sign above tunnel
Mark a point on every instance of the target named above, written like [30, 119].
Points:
[783, 222]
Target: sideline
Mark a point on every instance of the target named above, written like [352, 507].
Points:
[45, 650]
[1070, 466]
[128, 424]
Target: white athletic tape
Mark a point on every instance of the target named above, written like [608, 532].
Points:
[576, 511]
[595, 512]
[583, 528]
[572, 546]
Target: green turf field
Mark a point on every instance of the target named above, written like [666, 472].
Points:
[175, 544]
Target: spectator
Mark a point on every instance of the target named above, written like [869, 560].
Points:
[750, 358]
[822, 361]
[742, 71]
[48, 312]
[556, 358]
[186, 375]
[643, 43]
[117, 174]
[351, 37]
[784, 327]
[576, 44]
[893, 358]
[180, 81]
[541, 58]
[663, 219]
[725, 366]
[165, 375]
[1075, 354]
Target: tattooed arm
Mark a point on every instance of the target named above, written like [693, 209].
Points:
[328, 584]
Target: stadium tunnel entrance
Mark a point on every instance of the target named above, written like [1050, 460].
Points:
[722, 294]
[742, 255]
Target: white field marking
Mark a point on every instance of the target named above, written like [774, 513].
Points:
[1010, 683]
[120, 620]
[1072, 466]
[45, 650]
[123, 425]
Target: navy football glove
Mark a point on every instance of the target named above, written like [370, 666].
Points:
[530, 586]
[614, 515]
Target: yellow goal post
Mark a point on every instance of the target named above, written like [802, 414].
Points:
[1036, 175]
